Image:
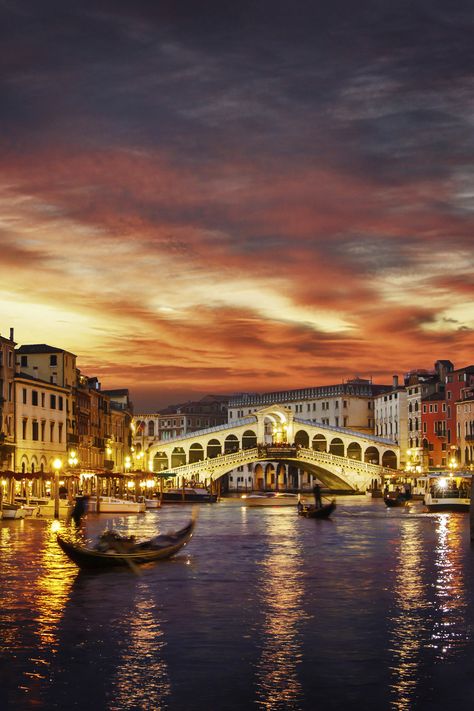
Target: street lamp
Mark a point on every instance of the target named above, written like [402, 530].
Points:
[57, 466]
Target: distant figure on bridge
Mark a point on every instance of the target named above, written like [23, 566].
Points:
[317, 496]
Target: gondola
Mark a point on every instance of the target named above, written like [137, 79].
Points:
[311, 511]
[124, 551]
[392, 501]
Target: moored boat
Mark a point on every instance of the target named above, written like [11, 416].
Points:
[111, 504]
[188, 495]
[12, 511]
[113, 550]
[271, 498]
[448, 492]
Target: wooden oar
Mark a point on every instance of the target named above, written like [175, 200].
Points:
[133, 566]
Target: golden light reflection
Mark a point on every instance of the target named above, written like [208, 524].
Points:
[408, 621]
[53, 588]
[281, 604]
[141, 678]
[450, 632]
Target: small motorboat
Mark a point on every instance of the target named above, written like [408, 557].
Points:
[112, 504]
[271, 498]
[188, 495]
[114, 550]
[312, 511]
[12, 511]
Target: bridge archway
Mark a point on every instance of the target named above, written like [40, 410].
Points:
[302, 438]
[281, 476]
[249, 439]
[337, 447]
[160, 461]
[354, 451]
[214, 448]
[371, 455]
[196, 453]
[231, 444]
[389, 459]
[320, 443]
[178, 457]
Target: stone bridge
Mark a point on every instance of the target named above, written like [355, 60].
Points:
[339, 457]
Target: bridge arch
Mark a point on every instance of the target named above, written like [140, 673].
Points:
[269, 476]
[196, 453]
[389, 459]
[371, 455]
[320, 443]
[336, 447]
[214, 448]
[302, 438]
[178, 457]
[249, 439]
[259, 476]
[160, 461]
[354, 451]
[231, 444]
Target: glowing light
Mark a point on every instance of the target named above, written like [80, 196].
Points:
[57, 464]
[55, 526]
[442, 484]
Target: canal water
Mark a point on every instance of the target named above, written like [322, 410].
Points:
[262, 610]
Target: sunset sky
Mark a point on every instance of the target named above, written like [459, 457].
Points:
[215, 197]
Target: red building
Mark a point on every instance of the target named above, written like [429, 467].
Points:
[433, 424]
[456, 382]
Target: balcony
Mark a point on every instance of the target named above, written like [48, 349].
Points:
[72, 438]
[469, 437]
[439, 432]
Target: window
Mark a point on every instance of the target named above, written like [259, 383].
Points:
[52, 402]
[60, 402]
[24, 396]
[53, 359]
[35, 431]
[43, 427]
[42, 399]
[23, 428]
[24, 361]
[34, 397]
[60, 432]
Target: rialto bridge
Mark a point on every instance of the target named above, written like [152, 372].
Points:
[340, 458]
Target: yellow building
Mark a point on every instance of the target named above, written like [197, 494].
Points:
[40, 424]
[7, 403]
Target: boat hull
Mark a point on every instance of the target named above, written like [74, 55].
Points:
[88, 558]
[392, 502]
[115, 506]
[188, 497]
[259, 500]
[317, 512]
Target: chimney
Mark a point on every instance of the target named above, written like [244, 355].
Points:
[395, 381]
[35, 371]
[12, 334]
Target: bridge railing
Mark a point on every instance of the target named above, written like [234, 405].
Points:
[345, 464]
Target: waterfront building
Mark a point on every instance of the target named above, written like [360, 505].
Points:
[40, 424]
[175, 421]
[52, 365]
[456, 382]
[348, 404]
[465, 428]
[7, 402]
[420, 384]
[433, 423]
[118, 445]
[390, 415]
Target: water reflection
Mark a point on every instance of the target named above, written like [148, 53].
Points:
[449, 634]
[141, 678]
[280, 597]
[408, 623]
[428, 615]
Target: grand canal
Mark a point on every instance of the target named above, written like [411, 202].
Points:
[370, 610]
